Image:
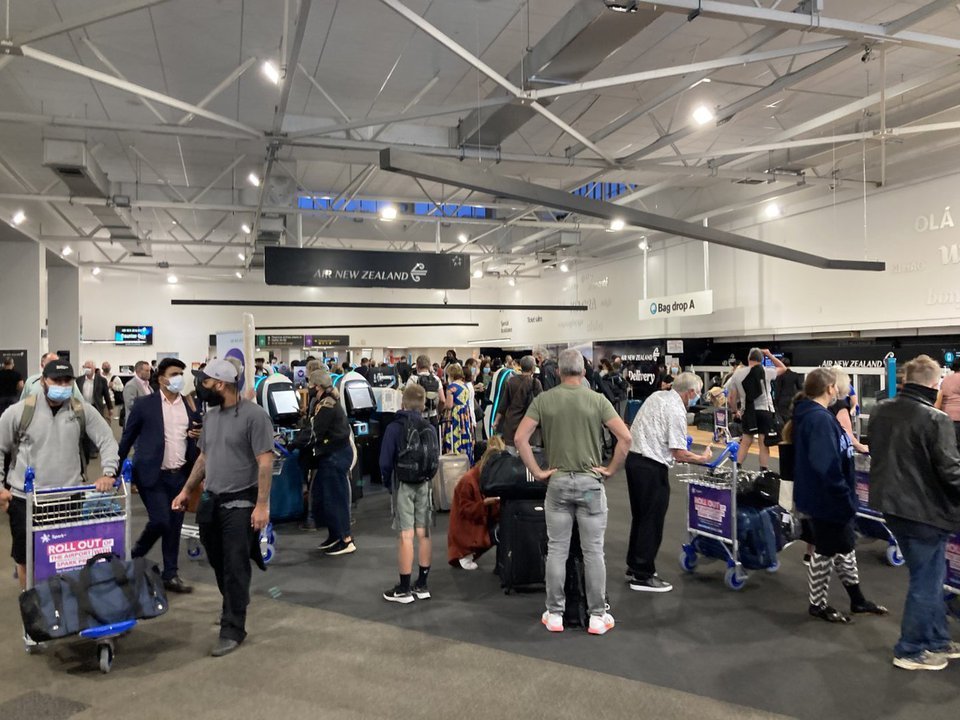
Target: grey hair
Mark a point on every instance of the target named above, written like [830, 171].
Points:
[686, 381]
[571, 363]
[527, 364]
[843, 381]
[755, 355]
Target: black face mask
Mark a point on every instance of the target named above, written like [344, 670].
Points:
[209, 396]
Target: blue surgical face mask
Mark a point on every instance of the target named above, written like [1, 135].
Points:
[486, 371]
[175, 384]
[59, 393]
[693, 401]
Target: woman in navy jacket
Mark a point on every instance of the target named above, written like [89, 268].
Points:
[825, 492]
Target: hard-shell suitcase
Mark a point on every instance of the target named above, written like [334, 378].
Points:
[452, 468]
[521, 545]
[286, 490]
[575, 611]
[633, 407]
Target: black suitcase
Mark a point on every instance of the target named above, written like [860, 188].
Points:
[575, 611]
[521, 545]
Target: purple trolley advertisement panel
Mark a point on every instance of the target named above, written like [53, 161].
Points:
[953, 562]
[863, 495]
[709, 511]
[59, 550]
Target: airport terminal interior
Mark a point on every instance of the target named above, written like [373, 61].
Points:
[308, 199]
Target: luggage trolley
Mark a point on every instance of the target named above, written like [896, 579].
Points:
[951, 583]
[712, 516]
[66, 527]
[870, 522]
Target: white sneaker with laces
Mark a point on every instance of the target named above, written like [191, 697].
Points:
[552, 621]
[468, 563]
[599, 624]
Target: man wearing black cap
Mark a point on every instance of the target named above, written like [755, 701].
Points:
[236, 465]
[45, 431]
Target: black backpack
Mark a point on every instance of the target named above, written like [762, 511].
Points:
[549, 375]
[430, 385]
[418, 457]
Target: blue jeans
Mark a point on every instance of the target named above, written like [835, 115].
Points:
[582, 497]
[924, 625]
[331, 492]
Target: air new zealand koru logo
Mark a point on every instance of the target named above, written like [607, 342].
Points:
[419, 271]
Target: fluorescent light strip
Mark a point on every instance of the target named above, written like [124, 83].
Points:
[488, 342]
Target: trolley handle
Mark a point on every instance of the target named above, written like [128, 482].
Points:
[125, 476]
[730, 451]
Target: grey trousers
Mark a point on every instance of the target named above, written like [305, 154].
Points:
[582, 497]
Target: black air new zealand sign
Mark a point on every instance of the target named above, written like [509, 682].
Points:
[361, 268]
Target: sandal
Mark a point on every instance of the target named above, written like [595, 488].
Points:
[831, 615]
[868, 608]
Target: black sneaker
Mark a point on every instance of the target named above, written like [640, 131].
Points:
[341, 548]
[398, 595]
[328, 543]
[421, 592]
[651, 584]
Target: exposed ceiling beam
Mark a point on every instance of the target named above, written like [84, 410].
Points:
[37, 120]
[439, 171]
[139, 90]
[221, 86]
[805, 22]
[116, 71]
[705, 66]
[467, 56]
[110, 10]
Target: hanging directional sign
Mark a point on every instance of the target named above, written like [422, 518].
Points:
[365, 268]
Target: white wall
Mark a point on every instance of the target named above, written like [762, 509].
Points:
[63, 308]
[23, 284]
[113, 299]
[756, 295]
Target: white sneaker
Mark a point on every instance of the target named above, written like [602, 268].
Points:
[468, 563]
[599, 624]
[552, 621]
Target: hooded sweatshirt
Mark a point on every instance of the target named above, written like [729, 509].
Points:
[824, 486]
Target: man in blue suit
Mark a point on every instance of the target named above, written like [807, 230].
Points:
[163, 429]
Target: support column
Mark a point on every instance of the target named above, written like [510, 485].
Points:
[63, 311]
[23, 296]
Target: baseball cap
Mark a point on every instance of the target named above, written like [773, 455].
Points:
[222, 370]
[56, 369]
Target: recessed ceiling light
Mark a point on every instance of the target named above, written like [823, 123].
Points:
[462, 237]
[512, 282]
[245, 229]
[702, 115]
[239, 275]
[172, 279]
[772, 211]
[95, 271]
[241, 256]
[18, 217]
[253, 179]
[478, 273]
[67, 250]
[564, 267]
[617, 224]
[388, 213]
[174, 222]
[643, 245]
[271, 72]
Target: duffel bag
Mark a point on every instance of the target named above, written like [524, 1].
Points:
[106, 590]
[505, 476]
[757, 538]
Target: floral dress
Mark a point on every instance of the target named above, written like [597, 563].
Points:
[458, 438]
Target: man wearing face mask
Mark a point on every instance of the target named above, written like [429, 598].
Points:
[33, 385]
[95, 390]
[138, 386]
[236, 465]
[658, 440]
[163, 429]
[46, 432]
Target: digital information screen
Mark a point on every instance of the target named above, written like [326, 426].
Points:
[134, 335]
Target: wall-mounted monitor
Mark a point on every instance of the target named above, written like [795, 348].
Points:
[134, 335]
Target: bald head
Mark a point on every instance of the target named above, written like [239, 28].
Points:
[48, 358]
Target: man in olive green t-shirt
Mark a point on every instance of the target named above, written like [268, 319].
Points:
[571, 418]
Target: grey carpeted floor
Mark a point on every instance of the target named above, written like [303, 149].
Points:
[323, 641]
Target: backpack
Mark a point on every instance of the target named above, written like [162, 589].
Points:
[26, 417]
[549, 375]
[418, 457]
[431, 385]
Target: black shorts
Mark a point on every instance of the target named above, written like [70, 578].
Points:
[17, 512]
[833, 538]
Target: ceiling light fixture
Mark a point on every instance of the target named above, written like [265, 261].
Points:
[643, 245]
[617, 224]
[253, 179]
[772, 211]
[172, 279]
[18, 217]
[67, 250]
[271, 72]
[512, 282]
[478, 273]
[95, 271]
[703, 115]
[241, 256]
[239, 275]
[245, 229]
[623, 6]
[462, 237]
[388, 213]
[564, 267]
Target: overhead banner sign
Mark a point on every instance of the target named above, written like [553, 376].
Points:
[365, 268]
[302, 341]
[670, 306]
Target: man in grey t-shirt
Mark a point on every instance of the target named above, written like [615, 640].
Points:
[758, 419]
[236, 465]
